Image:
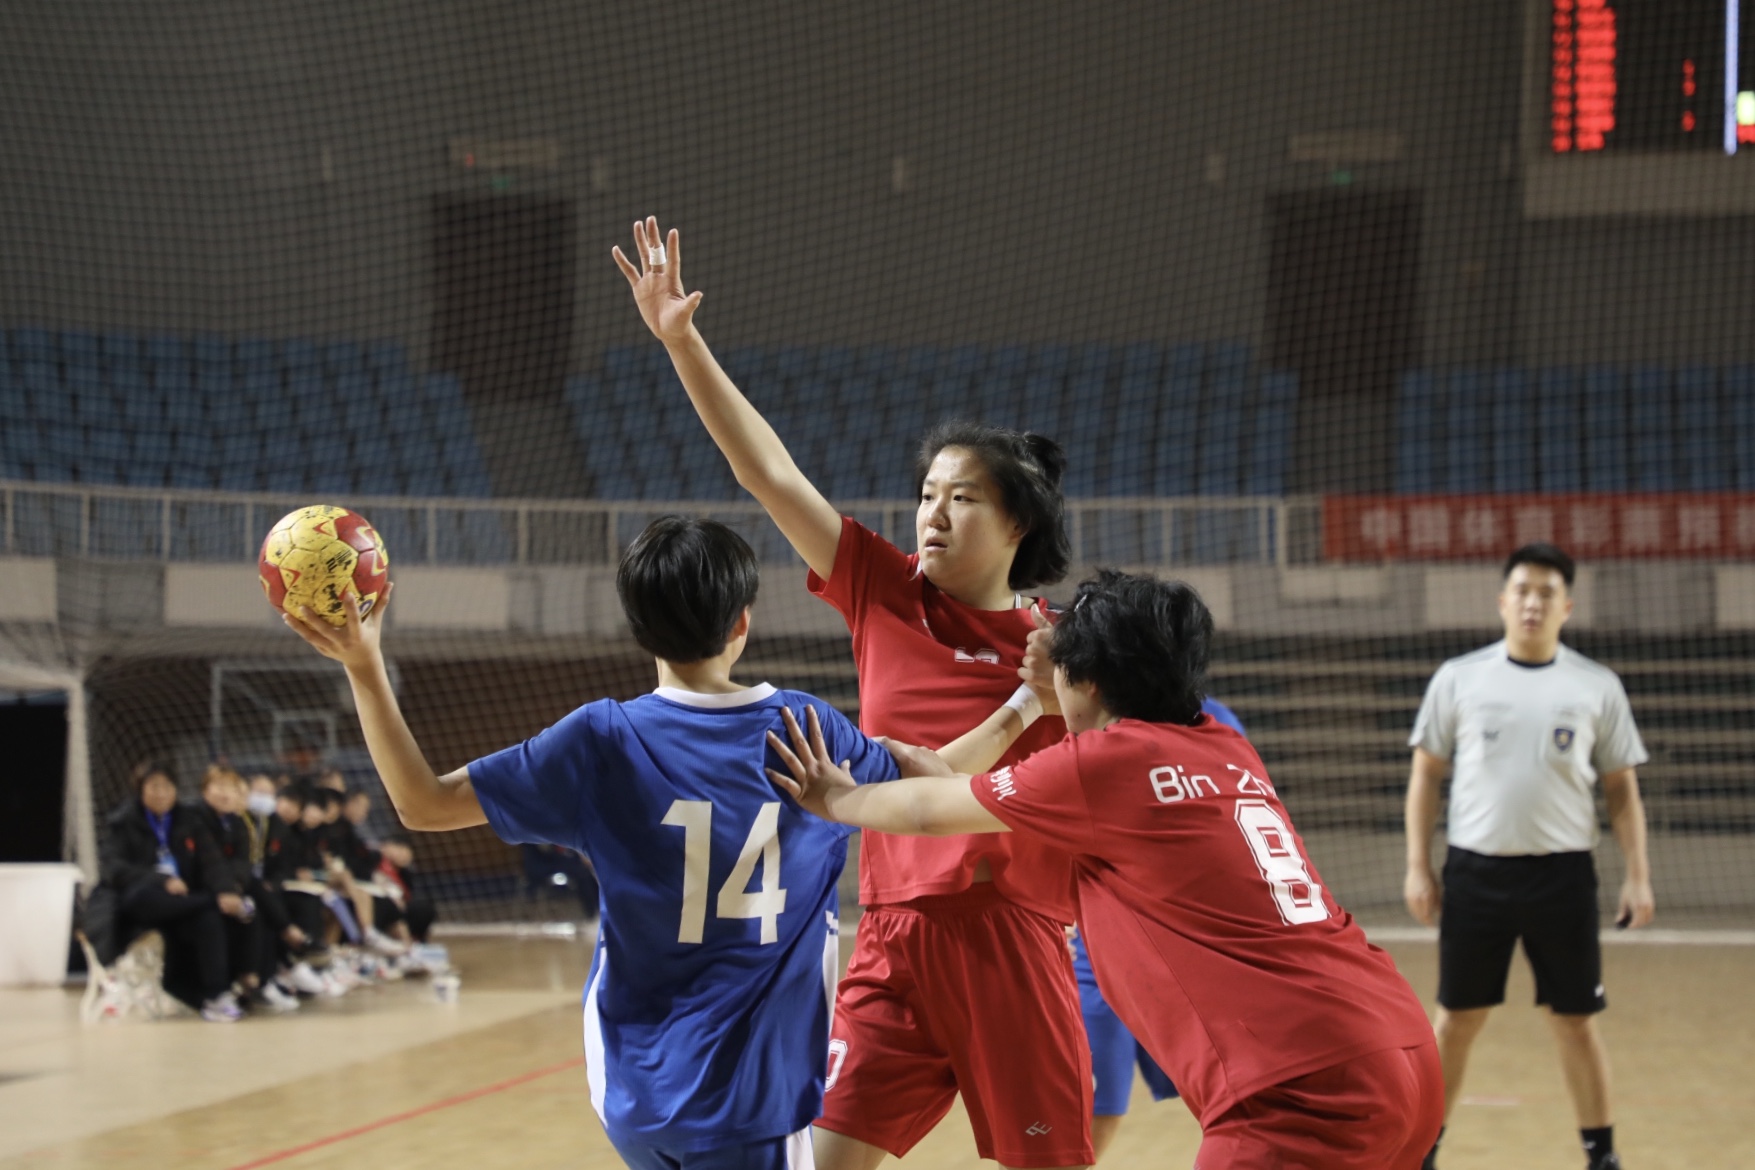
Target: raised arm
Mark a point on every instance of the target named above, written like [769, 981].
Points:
[924, 806]
[423, 799]
[1421, 890]
[757, 456]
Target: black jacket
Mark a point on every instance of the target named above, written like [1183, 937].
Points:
[233, 838]
[129, 857]
[346, 843]
[288, 850]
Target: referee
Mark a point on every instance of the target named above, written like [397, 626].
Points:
[1531, 727]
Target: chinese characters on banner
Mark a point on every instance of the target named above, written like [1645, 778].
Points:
[1487, 528]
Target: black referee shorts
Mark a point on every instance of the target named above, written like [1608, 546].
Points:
[1549, 902]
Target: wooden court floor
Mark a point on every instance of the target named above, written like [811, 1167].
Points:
[387, 1079]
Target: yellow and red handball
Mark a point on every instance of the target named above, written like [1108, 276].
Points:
[316, 556]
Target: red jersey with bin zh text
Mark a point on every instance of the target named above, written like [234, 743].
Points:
[1211, 934]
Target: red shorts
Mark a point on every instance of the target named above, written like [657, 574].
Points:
[962, 993]
[1380, 1111]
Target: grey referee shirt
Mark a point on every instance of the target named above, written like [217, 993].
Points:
[1527, 744]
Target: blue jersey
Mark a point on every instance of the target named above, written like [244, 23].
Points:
[1224, 715]
[707, 1006]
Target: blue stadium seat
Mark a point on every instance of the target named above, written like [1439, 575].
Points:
[209, 349]
[794, 363]
[836, 362]
[299, 356]
[344, 357]
[1652, 418]
[184, 413]
[34, 345]
[423, 481]
[108, 444]
[386, 357]
[256, 357]
[1178, 425]
[624, 361]
[1083, 415]
[908, 408]
[878, 362]
[1221, 439]
[1041, 403]
[1417, 465]
[1270, 443]
[15, 405]
[1050, 361]
[1468, 413]
[1605, 430]
[996, 401]
[378, 479]
[140, 473]
[1009, 363]
[169, 365]
[1739, 399]
[918, 361]
[1090, 361]
[152, 448]
[1514, 432]
[121, 351]
[92, 470]
[1132, 426]
[1559, 431]
[1700, 430]
[1142, 360]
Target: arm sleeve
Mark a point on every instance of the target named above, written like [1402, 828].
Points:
[534, 793]
[117, 869]
[868, 760]
[861, 558]
[217, 876]
[1618, 744]
[1435, 725]
[1042, 797]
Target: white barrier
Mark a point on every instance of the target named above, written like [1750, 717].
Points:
[36, 922]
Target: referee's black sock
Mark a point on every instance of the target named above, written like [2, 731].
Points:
[1599, 1148]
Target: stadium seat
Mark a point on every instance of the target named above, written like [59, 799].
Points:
[343, 357]
[835, 362]
[1605, 430]
[1051, 361]
[1652, 418]
[386, 357]
[1417, 465]
[256, 357]
[1128, 469]
[908, 410]
[108, 444]
[15, 405]
[918, 361]
[1468, 412]
[1008, 363]
[1142, 360]
[1739, 397]
[1178, 426]
[1040, 399]
[1220, 465]
[1514, 432]
[300, 356]
[152, 448]
[795, 363]
[208, 349]
[1270, 443]
[624, 361]
[878, 362]
[120, 351]
[1559, 420]
[1700, 430]
[1090, 361]
[35, 345]
[1081, 433]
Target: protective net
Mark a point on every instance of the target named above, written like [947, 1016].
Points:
[1331, 306]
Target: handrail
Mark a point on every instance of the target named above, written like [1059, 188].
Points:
[1107, 528]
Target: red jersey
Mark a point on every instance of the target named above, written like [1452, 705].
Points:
[1210, 932]
[930, 669]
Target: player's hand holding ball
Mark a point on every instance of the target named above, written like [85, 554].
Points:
[657, 282]
[326, 570]
[815, 781]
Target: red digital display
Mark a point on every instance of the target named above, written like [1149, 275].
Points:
[1582, 74]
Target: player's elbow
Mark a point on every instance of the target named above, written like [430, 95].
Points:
[419, 819]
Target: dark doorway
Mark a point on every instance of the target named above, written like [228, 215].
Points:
[1343, 286]
[503, 296]
[33, 781]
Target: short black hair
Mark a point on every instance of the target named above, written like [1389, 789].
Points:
[1028, 469]
[683, 583]
[1548, 556]
[1143, 641]
[299, 794]
[141, 772]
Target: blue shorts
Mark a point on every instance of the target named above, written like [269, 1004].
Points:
[1114, 1052]
[792, 1152]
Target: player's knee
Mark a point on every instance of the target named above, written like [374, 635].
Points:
[1574, 1027]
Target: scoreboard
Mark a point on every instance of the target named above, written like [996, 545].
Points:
[1649, 76]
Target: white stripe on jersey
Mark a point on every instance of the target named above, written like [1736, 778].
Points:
[800, 1154]
[594, 1062]
[831, 964]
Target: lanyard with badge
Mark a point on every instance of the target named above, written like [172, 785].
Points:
[160, 824]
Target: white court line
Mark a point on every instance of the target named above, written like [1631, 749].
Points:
[508, 930]
[1650, 936]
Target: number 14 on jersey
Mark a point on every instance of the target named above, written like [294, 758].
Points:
[695, 819]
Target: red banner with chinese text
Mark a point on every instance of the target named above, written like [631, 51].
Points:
[1588, 527]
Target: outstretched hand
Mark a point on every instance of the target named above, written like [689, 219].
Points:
[815, 779]
[915, 761]
[354, 645]
[657, 282]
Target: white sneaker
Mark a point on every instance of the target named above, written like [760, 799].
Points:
[278, 1000]
[383, 943]
[304, 980]
[221, 1009]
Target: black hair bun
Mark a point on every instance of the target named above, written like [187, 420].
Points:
[1048, 453]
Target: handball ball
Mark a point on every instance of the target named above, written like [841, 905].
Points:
[316, 556]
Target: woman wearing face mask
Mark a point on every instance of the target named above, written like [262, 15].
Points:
[960, 981]
[170, 876]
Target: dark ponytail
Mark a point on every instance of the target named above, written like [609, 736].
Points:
[1028, 469]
